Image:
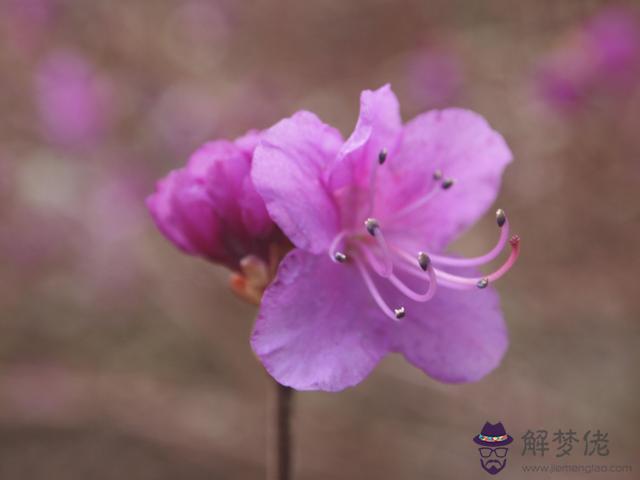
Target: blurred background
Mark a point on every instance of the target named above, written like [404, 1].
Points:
[121, 357]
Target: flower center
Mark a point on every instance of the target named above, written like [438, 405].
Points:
[370, 252]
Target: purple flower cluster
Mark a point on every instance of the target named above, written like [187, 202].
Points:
[365, 222]
[73, 101]
[603, 55]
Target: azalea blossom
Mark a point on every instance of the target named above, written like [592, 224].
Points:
[602, 56]
[28, 23]
[370, 218]
[73, 100]
[210, 209]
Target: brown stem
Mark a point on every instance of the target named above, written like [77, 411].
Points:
[279, 433]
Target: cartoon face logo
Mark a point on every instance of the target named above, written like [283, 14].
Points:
[493, 440]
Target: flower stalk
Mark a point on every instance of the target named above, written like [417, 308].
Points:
[279, 440]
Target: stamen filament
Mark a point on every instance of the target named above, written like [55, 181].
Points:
[399, 284]
[375, 294]
[373, 179]
[333, 248]
[492, 277]
[475, 261]
[411, 270]
[374, 229]
[457, 282]
[422, 200]
[413, 295]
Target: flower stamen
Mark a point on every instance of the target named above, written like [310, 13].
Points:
[437, 176]
[340, 257]
[448, 183]
[503, 223]
[373, 227]
[373, 179]
[482, 282]
[334, 254]
[380, 260]
[457, 282]
[424, 261]
[382, 156]
[375, 294]
[399, 284]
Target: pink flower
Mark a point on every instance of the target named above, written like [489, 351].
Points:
[603, 56]
[613, 37]
[27, 23]
[370, 217]
[210, 208]
[73, 101]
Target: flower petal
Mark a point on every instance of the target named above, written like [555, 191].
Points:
[464, 147]
[287, 172]
[379, 127]
[318, 328]
[210, 207]
[224, 167]
[255, 217]
[182, 211]
[249, 141]
[457, 337]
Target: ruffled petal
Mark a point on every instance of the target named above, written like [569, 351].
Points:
[318, 328]
[462, 145]
[255, 217]
[210, 208]
[249, 141]
[457, 337]
[222, 167]
[379, 127]
[287, 172]
[182, 211]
